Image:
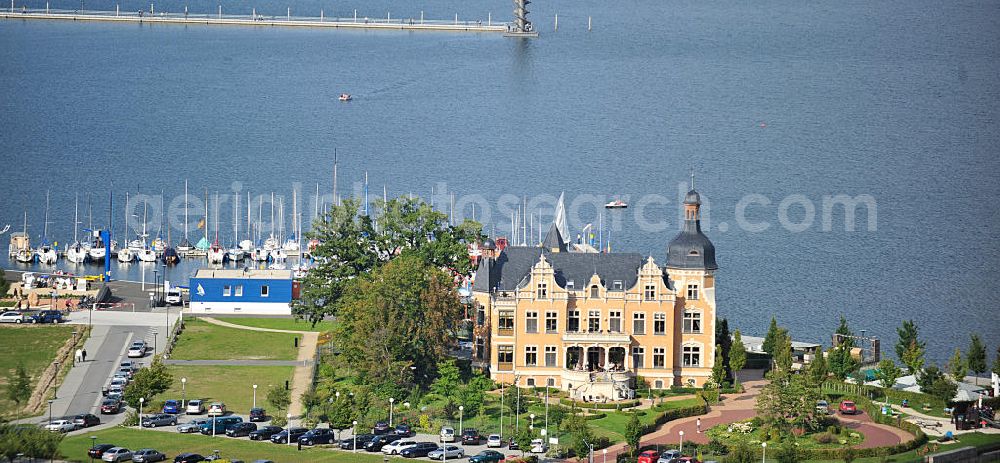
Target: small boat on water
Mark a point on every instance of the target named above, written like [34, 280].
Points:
[616, 204]
[216, 255]
[278, 255]
[345, 97]
[46, 254]
[126, 255]
[146, 254]
[97, 252]
[170, 256]
[76, 253]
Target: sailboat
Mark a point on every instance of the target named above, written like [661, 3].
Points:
[235, 253]
[76, 253]
[46, 253]
[95, 250]
[170, 256]
[216, 255]
[145, 253]
[127, 253]
[21, 244]
[185, 245]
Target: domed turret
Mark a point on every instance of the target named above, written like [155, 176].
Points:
[691, 249]
[692, 198]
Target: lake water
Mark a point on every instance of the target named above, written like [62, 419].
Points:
[897, 100]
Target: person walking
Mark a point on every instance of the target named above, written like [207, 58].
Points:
[697, 424]
[83, 355]
[77, 356]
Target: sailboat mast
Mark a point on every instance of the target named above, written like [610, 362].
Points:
[272, 214]
[185, 210]
[45, 227]
[236, 223]
[295, 212]
[216, 217]
[248, 216]
[336, 199]
[126, 219]
[206, 214]
[260, 216]
[76, 218]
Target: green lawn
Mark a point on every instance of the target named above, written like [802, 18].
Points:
[228, 384]
[289, 324]
[75, 448]
[35, 346]
[205, 341]
[613, 425]
[974, 439]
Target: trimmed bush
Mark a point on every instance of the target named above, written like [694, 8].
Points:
[599, 406]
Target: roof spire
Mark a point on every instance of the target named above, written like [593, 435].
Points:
[692, 178]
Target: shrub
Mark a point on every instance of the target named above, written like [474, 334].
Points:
[823, 438]
[279, 420]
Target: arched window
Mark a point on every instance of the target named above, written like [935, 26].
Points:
[595, 291]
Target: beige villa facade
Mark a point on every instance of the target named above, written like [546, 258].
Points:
[591, 323]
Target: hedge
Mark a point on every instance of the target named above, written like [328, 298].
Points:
[600, 406]
[916, 399]
[875, 413]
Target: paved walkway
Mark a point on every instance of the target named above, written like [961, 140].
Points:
[305, 364]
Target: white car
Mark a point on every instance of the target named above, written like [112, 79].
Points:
[191, 426]
[137, 349]
[217, 409]
[60, 426]
[12, 317]
[494, 441]
[174, 296]
[447, 434]
[446, 452]
[195, 407]
[393, 448]
[116, 454]
[668, 456]
[538, 446]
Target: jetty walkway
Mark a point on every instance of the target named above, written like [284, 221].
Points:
[259, 20]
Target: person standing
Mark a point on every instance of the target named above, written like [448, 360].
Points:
[697, 425]
[83, 355]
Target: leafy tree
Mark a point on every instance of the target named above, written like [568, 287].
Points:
[927, 377]
[448, 381]
[4, 284]
[395, 321]
[888, 373]
[741, 452]
[845, 330]
[956, 366]
[909, 349]
[719, 366]
[582, 436]
[976, 357]
[772, 333]
[933, 381]
[841, 362]
[788, 401]
[341, 414]
[279, 397]
[724, 339]
[148, 383]
[354, 244]
[28, 442]
[737, 355]
[19, 389]
[511, 401]
[523, 438]
[996, 362]
[818, 370]
[633, 433]
[783, 351]
[788, 452]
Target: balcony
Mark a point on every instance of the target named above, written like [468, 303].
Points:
[598, 337]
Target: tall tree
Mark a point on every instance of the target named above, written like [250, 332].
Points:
[913, 357]
[397, 320]
[783, 351]
[737, 355]
[448, 381]
[788, 401]
[841, 361]
[353, 244]
[633, 434]
[148, 382]
[279, 397]
[341, 414]
[976, 357]
[957, 366]
[888, 373]
[725, 341]
[19, 388]
[845, 331]
[996, 362]
[718, 367]
[908, 339]
[772, 333]
[818, 370]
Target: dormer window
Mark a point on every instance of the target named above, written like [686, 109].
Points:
[543, 291]
[571, 285]
[595, 291]
[617, 285]
[693, 252]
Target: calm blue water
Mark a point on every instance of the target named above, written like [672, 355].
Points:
[897, 100]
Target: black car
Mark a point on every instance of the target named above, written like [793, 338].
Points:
[283, 436]
[264, 432]
[403, 430]
[317, 436]
[111, 406]
[376, 444]
[98, 450]
[257, 414]
[241, 429]
[86, 420]
[188, 458]
[419, 450]
[471, 436]
[512, 445]
[381, 427]
[360, 439]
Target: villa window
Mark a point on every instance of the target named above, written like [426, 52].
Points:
[480, 315]
[659, 357]
[658, 384]
[531, 355]
[264, 291]
[551, 382]
[639, 323]
[595, 291]
[692, 321]
[531, 322]
[573, 325]
[692, 356]
[594, 321]
[615, 321]
[227, 290]
[617, 285]
[551, 322]
[531, 382]
[543, 291]
[692, 291]
[239, 290]
[551, 356]
[570, 285]
[650, 293]
[660, 323]
[505, 357]
[505, 323]
[637, 357]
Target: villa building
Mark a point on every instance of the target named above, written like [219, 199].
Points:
[590, 323]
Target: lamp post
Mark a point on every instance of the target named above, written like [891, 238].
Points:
[605, 451]
[93, 445]
[288, 420]
[547, 408]
[501, 411]
[55, 390]
[143, 399]
[154, 341]
[156, 287]
[254, 396]
[461, 415]
[681, 445]
[391, 400]
[354, 432]
[50, 411]
[184, 393]
[531, 425]
[763, 446]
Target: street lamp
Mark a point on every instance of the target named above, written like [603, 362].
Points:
[391, 400]
[93, 445]
[154, 341]
[156, 288]
[55, 390]
[461, 415]
[288, 420]
[50, 411]
[605, 452]
[143, 399]
[184, 393]
[532, 424]
[763, 446]
[681, 446]
[501, 411]
[254, 396]
[354, 432]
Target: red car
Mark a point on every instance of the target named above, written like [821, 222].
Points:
[848, 408]
[649, 456]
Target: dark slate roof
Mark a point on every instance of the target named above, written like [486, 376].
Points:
[554, 239]
[692, 198]
[691, 249]
[513, 267]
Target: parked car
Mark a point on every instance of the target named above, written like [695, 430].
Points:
[188, 458]
[512, 445]
[445, 452]
[241, 429]
[111, 406]
[487, 456]
[191, 426]
[288, 435]
[447, 434]
[538, 446]
[494, 441]
[174, 296]
[648, 456]
[125, 373]
[264, 432]
[116, 454]
[60, 426]
[117, 382]
[822, 407]
[404, 430]
[317, 436]
[470, 436]
[12, 317]
[258, 414]
[668, 456]
[172, 406]
[134, 366]
[848, 408]
[393, 448]
[195, 407]
[381, 427]
[360, 440]
[218, 425]
[148, 456]
[86, 420]
[686, 460]
[98, 450]
[376, 444]
[46, 316]
[420, 449]
[137, 349]
[159, 419]
[217, 409]
[116, 390]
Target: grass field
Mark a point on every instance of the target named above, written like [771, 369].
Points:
[232, 385]
[75, 448]
[205, 341]
[613, 425]
[289, 324]
[35, 346]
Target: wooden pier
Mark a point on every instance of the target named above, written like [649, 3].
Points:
[254, 19]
